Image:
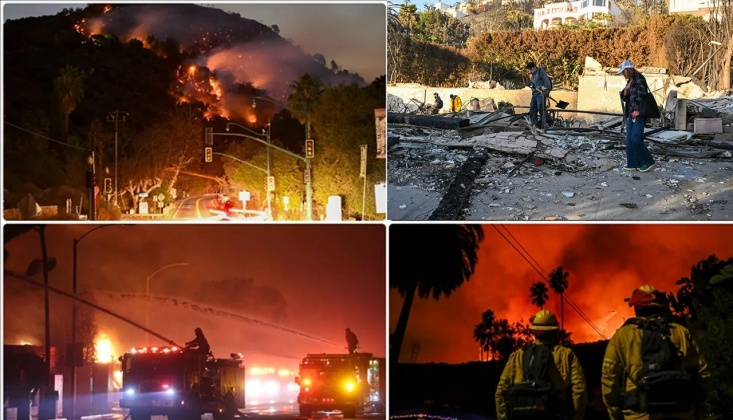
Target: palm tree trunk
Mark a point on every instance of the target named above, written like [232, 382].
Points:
[399, 333]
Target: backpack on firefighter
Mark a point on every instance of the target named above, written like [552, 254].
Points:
[660, 387]
[535, 397]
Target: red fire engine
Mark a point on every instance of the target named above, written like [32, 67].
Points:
[181, 384]
[350, 383]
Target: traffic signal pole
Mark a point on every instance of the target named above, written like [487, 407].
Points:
[309, 184]
[288, 152]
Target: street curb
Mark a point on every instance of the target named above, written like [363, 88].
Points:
[457, 195]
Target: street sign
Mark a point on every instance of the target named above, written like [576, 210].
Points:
[108, 185]
[310, 148]
[161, 197]
[209, 139]
[143, 194]
[161, 204]
[380, 117]
[307, 176]
[380, 197]
[143, 207]
[208, 154]
[174, 193]
[155, 198]
[244, 196]
[363, 170]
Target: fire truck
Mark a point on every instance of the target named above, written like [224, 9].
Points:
[181, 384]
[352, 383]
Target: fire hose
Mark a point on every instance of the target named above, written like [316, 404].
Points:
[85, 302]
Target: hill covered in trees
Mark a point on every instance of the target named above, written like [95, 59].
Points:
[170, 67]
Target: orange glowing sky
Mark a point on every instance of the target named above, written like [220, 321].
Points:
[605, 262]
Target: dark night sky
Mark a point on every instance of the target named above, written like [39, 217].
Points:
[605, 262]
[352, 34]
[332, 277]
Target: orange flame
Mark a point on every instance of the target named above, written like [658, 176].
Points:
[104, 349]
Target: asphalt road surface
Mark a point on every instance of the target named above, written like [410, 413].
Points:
[196, 207]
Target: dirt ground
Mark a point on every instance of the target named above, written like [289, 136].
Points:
[588, 184]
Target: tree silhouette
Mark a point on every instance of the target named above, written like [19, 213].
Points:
[498, 338]
[429, 260]
[69, 87]
[538, 294]
[306, 93]
[559, 283]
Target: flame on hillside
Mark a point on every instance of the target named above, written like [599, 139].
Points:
[233, 60]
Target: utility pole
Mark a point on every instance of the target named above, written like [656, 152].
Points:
[363, 174]
[269, 196]
[116, 117]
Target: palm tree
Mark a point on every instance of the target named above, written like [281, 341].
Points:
[538, 294]
[408, 15]
[69, 87]
[306, 93]
[559, 283]
[429, 260]
[482, 332]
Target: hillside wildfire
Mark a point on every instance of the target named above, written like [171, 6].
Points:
[225, 59]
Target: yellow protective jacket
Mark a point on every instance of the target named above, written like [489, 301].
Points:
[623, 354]
[566, 375]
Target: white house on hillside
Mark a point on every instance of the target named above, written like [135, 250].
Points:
[702, 8]
[450, 10]
[571, 12]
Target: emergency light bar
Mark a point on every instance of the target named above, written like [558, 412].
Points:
[164, 350]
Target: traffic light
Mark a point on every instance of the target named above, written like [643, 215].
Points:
[209, 154]
[209, 136]
[270, 183]
[108, 185]
[310, 148]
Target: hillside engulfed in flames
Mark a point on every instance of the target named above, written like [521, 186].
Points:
[227, 59]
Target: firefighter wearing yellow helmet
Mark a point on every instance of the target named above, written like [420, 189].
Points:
[542, 380]
[652, 369]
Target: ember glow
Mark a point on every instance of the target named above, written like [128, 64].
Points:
[605, 263]
[103, 346]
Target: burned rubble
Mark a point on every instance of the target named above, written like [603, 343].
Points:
[571, 172]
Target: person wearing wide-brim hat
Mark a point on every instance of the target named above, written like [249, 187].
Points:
[568, 394]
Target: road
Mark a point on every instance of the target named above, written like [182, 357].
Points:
[196, 207]
[273, 412]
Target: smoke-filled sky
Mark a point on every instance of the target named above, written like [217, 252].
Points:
[315, 280]
[353, 35]
[605, 263]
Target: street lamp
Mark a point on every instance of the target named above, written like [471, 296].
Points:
[267, 137]
[73, 312]
[308, 185]
[147, 293]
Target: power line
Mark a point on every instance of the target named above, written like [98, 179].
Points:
[47, 138]
[544, 277]
[565, 295]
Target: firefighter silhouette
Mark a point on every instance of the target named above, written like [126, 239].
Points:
[352, 341]
[199, 343]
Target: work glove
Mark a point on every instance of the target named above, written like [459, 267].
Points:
[635, 114]
[545, 92]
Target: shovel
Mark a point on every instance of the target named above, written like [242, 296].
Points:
[561, 104]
